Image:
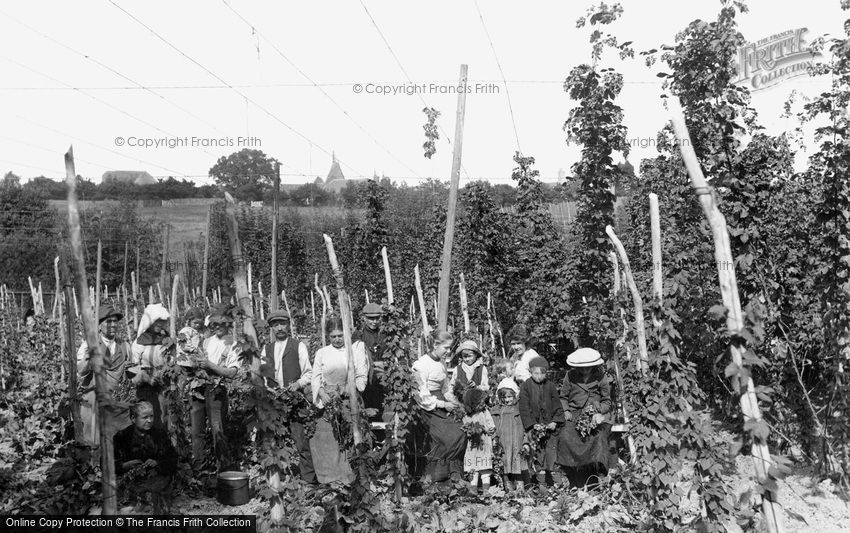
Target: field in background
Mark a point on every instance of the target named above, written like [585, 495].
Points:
[188, 221]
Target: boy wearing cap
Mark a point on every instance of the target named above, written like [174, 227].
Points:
[585, 389]
[285, 363]
[373, 340]
[220, 359]
[540, 410]
[116, 357]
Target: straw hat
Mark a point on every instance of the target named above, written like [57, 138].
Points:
[584, 357]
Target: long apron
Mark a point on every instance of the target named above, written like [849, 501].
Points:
[448, 441]
[573, 451]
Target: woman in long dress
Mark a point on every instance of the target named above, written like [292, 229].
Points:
[149, 357]
[436, 401]
[330, 380]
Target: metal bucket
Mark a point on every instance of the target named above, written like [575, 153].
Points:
[232, 488]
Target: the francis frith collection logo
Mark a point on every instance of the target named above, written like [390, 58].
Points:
[775, 59]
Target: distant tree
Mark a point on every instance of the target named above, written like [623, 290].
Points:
[247, 174]
[311, 194]
[51, 189]
[26, 234]
[352, 194]
[504, 195]
[11, 180]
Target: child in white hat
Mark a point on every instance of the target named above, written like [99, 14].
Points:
[510, 434]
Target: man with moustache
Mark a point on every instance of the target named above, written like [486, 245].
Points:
[116, 357]
[285, 363]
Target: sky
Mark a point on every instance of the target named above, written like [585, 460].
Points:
[169, 87]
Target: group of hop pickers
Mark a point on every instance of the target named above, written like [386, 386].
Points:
[526, 426]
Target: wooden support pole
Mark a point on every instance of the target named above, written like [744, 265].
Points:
[289, 312]
[98, 278]
[250, 287]
[273, 304]
[640, 328]
[445, 270]
[206, 265]
[324, 311]
[621, 342]
[347, 324]
[166, 231]
[367, 295]
[126, 258]
[312, 306]
[102, 396]
[426, 329]
[464, 306]
[771, 506]
[387, 275]
[172, 321]
[655, 225]
[56, 290]
[262, 298]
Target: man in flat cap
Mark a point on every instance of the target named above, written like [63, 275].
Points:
[220, 359]
[116, 358]
[285, 363]
[373, 340]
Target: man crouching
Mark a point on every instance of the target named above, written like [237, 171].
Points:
[145, 460]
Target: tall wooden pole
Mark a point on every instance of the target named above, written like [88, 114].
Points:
[387, 275]
[771, 507]
[464, 305]
[640, 329]
[98, 278]
[126, 258]
[445, 270]
[102, 397]
[347, 322]
[206, 264]
[273, 302]
[657, 281]
[166, 231]
[426, 329]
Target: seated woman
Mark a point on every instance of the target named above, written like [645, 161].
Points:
[329, 381]
[586, 397]
[144, 458]
[435, 399]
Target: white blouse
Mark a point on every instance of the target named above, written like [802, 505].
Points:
[330, 370]
[431, 376]
[521, 371]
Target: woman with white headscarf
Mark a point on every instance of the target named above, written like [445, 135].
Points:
[149, 357]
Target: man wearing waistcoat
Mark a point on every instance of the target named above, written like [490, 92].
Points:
[286, 364]
[374, 341]
[116, 357]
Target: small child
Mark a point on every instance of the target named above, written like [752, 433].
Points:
[470, 372]
[542, 414]
[509, 432]
[479, 427]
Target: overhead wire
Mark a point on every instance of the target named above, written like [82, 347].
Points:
[240, 93]
[314, 84]
[406, 75]
[110, 69]
[502, 72]
[95, 98]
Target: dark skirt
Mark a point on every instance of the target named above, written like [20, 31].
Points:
[448, 442]
[573, 451]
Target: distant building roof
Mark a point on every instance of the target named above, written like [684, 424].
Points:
[336, 172]
[136, 177]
